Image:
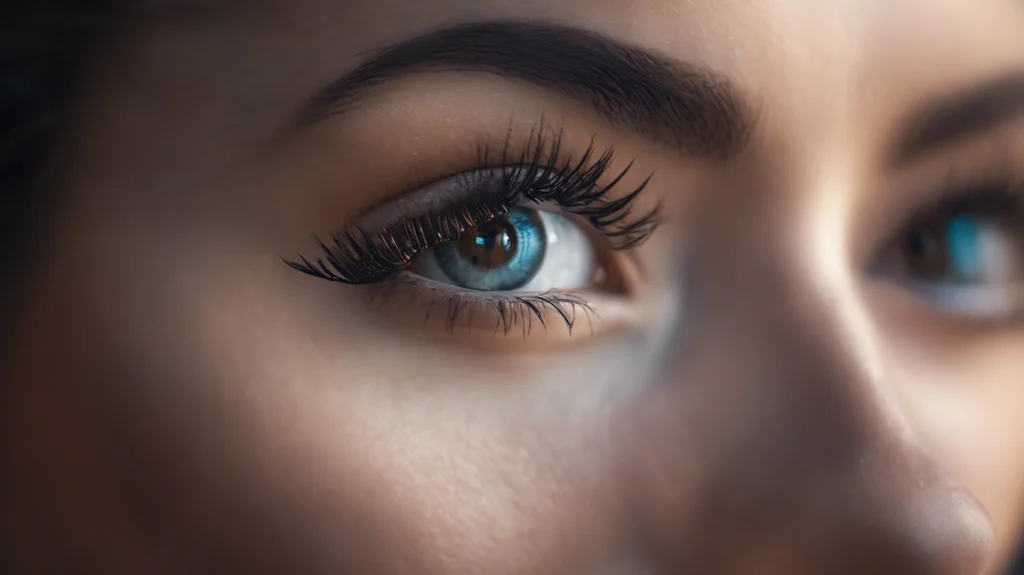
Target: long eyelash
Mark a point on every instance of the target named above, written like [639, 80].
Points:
[574, 186]
[541, 174]
[513, 312]
[356, 256]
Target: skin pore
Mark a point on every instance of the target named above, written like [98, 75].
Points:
[765, 382]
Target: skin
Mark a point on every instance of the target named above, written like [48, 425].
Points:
[178, 400]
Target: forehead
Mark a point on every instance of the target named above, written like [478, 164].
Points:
[805, 55]
[711, 30]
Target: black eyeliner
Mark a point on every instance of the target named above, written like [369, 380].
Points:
[384, 240]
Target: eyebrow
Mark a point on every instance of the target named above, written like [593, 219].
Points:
[960, 116]
[671, 102]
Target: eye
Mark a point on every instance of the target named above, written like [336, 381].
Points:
[524, 250]
[542, 240]
[967, 263]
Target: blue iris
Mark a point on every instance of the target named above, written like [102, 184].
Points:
[501, 255]
[963, 243]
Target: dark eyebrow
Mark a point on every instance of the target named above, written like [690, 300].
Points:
[668, 101]
[960, 116]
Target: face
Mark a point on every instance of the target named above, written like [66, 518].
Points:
[547, 287]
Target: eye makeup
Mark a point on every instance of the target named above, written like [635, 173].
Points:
[472, 224]
[385, 240]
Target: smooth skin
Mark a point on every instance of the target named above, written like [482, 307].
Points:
[180, 401]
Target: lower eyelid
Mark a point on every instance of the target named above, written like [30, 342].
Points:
[421, 305]
[980, 302]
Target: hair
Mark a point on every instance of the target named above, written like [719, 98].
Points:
[45, 47]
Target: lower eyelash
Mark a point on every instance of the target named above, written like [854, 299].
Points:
[512, 312]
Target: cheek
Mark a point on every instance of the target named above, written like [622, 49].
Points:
[235, 419]
[971, 416]
[960, 387]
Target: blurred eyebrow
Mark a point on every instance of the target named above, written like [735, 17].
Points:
[961, 116]
[671, 102]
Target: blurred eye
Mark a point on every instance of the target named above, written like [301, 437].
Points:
[525, 250]
[969, 264]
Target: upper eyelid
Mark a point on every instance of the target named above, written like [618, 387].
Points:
[543, 153]
[435, 197]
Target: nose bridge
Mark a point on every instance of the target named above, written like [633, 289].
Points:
[783, 322]
[802, 384]
[774, 427]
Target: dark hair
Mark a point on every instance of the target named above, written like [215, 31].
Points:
[44, 49]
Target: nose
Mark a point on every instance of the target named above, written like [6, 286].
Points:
[772, 442]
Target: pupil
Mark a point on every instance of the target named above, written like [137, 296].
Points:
[926, 250]
[500, 255]
[489, 246]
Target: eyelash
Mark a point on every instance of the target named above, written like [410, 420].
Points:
[541, 174]
[511, 311]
